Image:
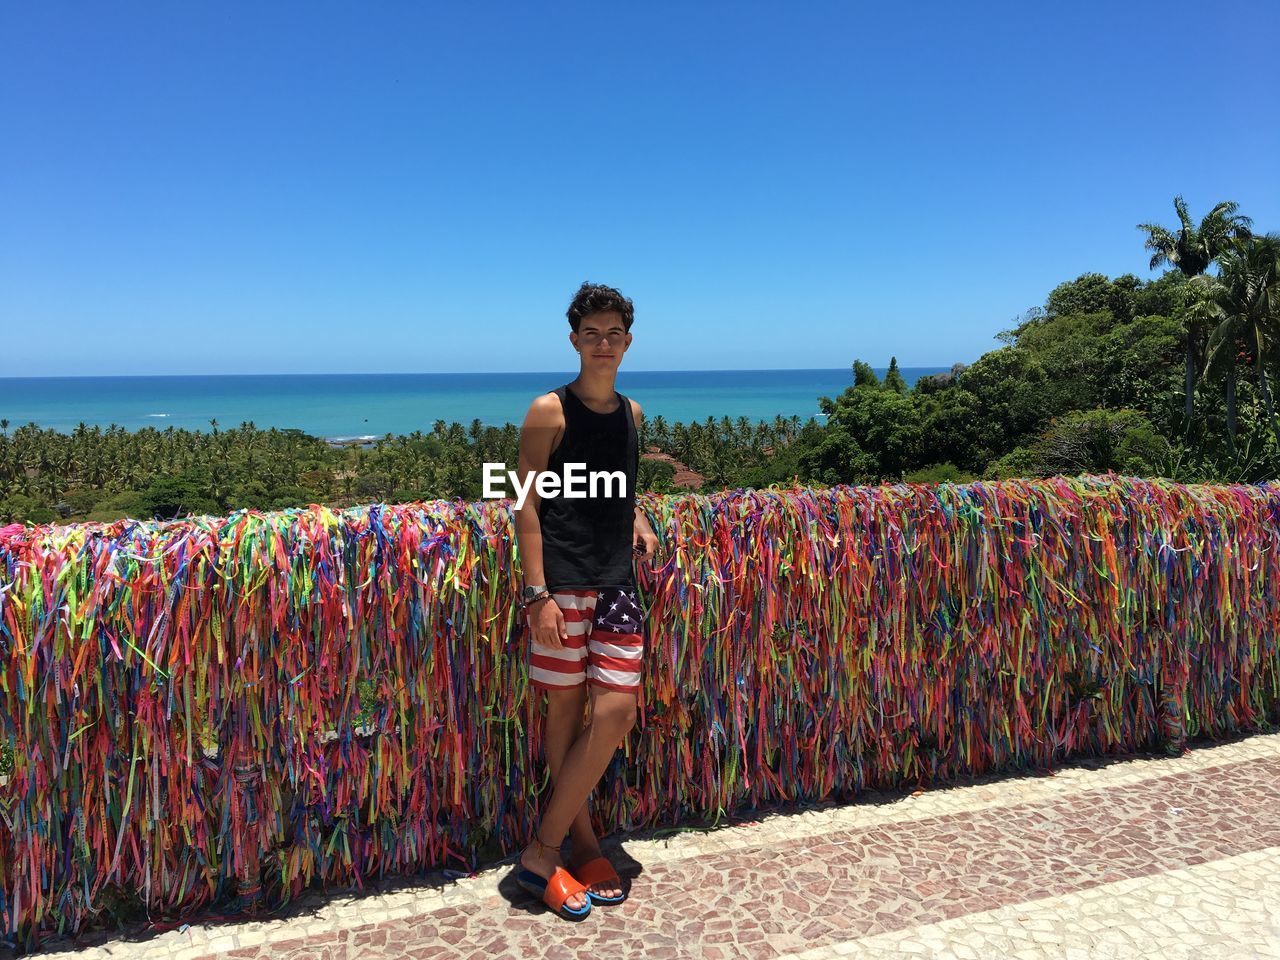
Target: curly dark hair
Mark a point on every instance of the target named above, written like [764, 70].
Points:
[597, 298]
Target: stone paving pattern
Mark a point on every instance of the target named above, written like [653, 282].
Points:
[1140, 857]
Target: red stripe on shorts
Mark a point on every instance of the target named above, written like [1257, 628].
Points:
[571, 642]
[535, 682]
[556, 665]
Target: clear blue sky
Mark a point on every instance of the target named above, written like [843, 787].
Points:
[243, 188]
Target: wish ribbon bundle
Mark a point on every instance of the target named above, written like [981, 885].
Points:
[224, 707]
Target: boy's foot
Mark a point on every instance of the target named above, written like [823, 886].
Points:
[608, 889]
[541, 859]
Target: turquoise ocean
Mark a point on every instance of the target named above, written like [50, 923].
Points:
[371, 405]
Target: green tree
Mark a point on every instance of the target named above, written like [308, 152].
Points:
[1099, 441]
[1093, 293]
[884, 426]
[893, 377]
[834, 456]
[19, 508]
[1191, 248]
[864, 375]
[170, 497]
[1138, 368]
[951, 427]
[1244, 303]
[1008, 386]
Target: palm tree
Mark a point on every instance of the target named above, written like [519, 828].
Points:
[1220, 358]
[1192, 249]
[1244, 299]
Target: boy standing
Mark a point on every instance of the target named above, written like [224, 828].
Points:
[585, 625]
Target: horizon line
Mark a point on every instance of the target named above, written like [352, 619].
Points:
[456, 373]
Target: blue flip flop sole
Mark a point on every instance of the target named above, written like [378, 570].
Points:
[605, 901]
[536, 886]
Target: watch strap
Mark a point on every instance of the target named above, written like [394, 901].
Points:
[537, 598]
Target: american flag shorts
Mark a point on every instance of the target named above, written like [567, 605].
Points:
[605, 644]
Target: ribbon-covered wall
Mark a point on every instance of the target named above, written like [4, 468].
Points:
[237, 707]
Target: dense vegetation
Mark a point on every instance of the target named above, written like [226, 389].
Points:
[1169, 377]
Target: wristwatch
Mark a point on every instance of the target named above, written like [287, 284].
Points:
[529, 594]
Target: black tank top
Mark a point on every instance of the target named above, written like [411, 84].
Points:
[586, 542]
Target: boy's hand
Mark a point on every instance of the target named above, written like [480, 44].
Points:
[645, 542]
[546, 623]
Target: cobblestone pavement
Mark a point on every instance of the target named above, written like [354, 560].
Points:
[1134, 858]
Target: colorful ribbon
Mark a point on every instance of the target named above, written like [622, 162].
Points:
[315, 696]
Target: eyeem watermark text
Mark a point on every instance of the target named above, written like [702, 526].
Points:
[576, 483]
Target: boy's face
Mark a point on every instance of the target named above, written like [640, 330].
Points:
[601, 339]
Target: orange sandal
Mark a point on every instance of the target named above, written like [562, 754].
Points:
[600, 870]
[556, 891]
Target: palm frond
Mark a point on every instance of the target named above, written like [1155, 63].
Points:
[1162, 242]
[1180, 207]
[1222, 341]
[1223, 210]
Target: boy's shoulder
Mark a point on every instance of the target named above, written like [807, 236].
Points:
[545, 410]
[550, 403]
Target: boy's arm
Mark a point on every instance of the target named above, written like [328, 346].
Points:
[542, 424]
[642, 521]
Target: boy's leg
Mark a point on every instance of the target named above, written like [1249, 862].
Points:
[612, 715]
[564, 724]
[615, 649]
[560, 672]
